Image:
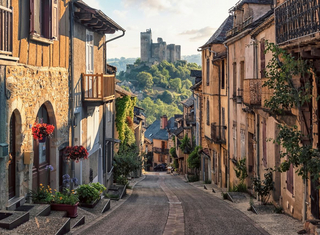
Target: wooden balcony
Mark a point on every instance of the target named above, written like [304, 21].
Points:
[97, 88]
[218, 135]
[252, 92]
[295, 19]
[6, 30]
[266, 93]
[160, 150]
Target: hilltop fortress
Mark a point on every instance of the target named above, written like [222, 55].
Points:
[152, 52]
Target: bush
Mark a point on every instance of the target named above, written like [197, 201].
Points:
[122, 180]
[263, 188]
[207, 181]
[98, 186]
[111, 196]
[241, 187]
[193, 178]
[42, 195]
[87, 193]
[224, 195]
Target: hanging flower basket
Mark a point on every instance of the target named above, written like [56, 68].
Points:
[42, 130]
[76, 153]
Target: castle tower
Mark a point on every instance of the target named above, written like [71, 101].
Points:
[146, 42]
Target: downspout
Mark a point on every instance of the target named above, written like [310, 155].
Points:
[107, 41]
[228, 162]
[72, 88]
[255, 61]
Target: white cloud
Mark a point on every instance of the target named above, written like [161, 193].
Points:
[121, 14]
[93, 3]
[199, 34]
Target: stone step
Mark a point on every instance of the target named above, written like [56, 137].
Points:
[35, 209]
[12, 219]
[15, 203]
[102, 206]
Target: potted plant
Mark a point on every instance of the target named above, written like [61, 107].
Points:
[90, 194]
[42, 195]
[66, 201]
[76, 153]
[41, 131]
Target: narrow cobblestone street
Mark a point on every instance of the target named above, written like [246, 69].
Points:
[189, 211]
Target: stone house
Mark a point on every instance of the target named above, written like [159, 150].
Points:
[93, 93]
[215, 106]
[34, 81]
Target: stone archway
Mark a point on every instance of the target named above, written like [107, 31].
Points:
[43, 154]
[15, 139]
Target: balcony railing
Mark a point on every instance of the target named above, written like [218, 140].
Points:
[237, 29]
[296, 18]
[6, 30]
[98, 87]
[218, 133]
[266, 93]
[252, 91]
[160, 150]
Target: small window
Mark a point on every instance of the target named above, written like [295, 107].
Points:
[222, 75]
[208, 112]
[44, 18]
[208, 71]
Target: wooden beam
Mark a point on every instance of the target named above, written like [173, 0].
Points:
[92, 21]
[83, 16]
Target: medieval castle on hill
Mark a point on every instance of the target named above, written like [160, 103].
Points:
[152, 52]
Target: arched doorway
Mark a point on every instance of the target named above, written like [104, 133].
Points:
[14, 152]
[12, 159]
[40, 175]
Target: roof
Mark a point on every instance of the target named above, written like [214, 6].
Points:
[154, 132]
[196, 73]
[205, 151]
[188, 102]
[195, 86]
[137, 107]
[122, 91]
[171, 124]
[241, 2]
[95, 19]
[220, 34]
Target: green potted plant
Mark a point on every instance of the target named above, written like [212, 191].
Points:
[42, 196]
[66, 201]
[90, 194]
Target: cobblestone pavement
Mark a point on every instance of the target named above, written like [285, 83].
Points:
[165, 204]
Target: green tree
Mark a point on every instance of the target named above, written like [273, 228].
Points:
[194, 160]
[175, 84]
[145, 80]
[166, 97]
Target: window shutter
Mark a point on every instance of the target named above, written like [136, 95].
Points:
[262, 59]
[32, 17]
[290, 179]
[54, 19]
[208, 71]
[264, 143]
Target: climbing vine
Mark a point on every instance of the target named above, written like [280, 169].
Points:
[124, 119]
[289, 92]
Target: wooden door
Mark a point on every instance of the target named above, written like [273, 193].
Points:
[315, 199]
[12, 164]
[40, 175]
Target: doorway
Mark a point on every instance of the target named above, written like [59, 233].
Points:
[12, 159]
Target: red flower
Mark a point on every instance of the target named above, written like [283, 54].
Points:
[76, 153]
[40, 130]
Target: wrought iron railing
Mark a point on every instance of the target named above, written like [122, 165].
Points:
[240, 27]
[6, 30]
[218, 133]
[160, 150]
[296, 18]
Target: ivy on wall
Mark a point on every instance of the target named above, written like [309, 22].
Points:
[124, 117]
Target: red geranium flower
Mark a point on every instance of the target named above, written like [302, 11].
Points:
[40, 130]
[76, 153]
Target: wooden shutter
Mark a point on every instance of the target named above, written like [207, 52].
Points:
[208, 71]
[54, 19]
[262, 59]
[32, 17]
[234, 65]
[290, 179]
[208, 112]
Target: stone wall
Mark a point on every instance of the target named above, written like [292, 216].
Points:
[28, 88]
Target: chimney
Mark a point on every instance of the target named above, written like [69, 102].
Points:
[163, 122]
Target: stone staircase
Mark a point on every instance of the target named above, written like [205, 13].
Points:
[40, 219]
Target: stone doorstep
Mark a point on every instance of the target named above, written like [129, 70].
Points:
[14, 203]
[12, 219]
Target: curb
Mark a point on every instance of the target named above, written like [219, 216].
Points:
[87, 226]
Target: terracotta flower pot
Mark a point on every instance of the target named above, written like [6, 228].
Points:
[72, 210]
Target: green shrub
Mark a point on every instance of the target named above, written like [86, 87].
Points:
[87, 193]
[224, 195]
[98, 186]
[193, 178]
[241, 187]
[122, 180]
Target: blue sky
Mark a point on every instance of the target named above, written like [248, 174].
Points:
[189, 23]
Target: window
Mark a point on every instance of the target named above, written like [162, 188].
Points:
[208, 112]
[235, 142]
[234, 79]
[208, 71]
[262, 59]
[6, 25]
[44, 18]
[92, 127]
[89, 52]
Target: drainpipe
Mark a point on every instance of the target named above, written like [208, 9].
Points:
[72, 88]
[228, 162]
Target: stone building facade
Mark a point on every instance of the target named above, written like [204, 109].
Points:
[159, 51]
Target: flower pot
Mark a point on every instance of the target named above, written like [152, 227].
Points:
[44, 138]
[72, 210]
[90, 205]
